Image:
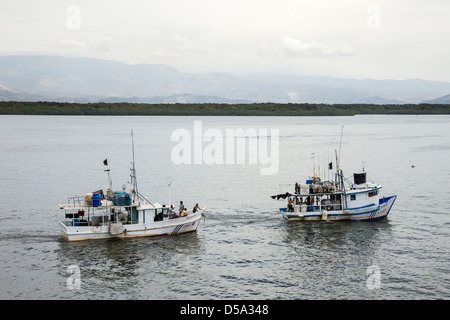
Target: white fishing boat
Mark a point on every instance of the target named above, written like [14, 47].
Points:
[336, 200]
[123, 215]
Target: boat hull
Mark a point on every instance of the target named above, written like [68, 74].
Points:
[152, 229]
[368, 213]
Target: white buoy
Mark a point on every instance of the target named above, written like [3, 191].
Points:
[324, 215]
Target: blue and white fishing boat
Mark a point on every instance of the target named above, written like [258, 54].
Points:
[123, 215]
[336, 200]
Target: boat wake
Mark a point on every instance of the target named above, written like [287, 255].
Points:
[235, 219]
[29, 237]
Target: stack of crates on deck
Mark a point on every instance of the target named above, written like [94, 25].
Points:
[121, 199]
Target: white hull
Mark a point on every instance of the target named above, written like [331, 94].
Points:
[368, 213]
[151, 229]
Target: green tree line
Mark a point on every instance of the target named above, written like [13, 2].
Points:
[215, 109]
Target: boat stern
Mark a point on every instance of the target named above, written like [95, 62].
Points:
[63, 230]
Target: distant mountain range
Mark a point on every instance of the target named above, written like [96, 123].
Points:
[440, 100]
[62, 79]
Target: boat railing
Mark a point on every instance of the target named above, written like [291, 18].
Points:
[318, 207]
[77, 200]
[328, 207]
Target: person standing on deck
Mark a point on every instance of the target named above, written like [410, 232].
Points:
[182, 207]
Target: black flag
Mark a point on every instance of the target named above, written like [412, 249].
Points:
[105, 162]
[330, 166]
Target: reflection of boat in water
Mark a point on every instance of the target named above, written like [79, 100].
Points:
[122, 215]
[340, 199]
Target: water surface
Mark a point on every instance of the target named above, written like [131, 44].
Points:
[244, 249]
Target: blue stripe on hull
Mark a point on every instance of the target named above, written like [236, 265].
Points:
[177, 229]
[373, 219]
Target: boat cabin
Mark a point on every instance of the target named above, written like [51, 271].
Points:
[317, 196]
[95, 209]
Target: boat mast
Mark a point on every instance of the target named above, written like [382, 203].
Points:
[106, 163]
[134, 189]
[340, 143]
[169, 183]
[340, 174]
[133, 183]
[336, 177]
[338, 170]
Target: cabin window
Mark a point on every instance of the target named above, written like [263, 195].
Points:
[373, 193]
[353, 197]
[158, 215]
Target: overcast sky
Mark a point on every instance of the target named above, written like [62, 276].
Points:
[352, 39]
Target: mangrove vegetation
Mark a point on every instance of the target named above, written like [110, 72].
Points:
[215, 109]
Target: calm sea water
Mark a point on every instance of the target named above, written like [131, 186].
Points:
[243, 249]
